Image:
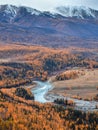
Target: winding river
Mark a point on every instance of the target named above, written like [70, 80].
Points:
[42, 89]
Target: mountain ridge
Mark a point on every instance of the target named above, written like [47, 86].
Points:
[64, 11]
[30, 26]
[77, 11]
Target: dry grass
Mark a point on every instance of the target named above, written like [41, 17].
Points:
[84, 86]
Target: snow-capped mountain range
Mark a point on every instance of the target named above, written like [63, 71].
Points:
[65, 11]
[61, 26]
[78, 12]
[10, 11]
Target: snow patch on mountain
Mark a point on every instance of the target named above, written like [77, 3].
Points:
[75, 11]
[82, 12]
[9, 10]
[13, 10]
[33, 11]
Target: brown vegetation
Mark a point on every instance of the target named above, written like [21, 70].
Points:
[22, 92]
[20, 64]
[96, 97]
[82, 87]
[64, 102]
[27, 115]
[70, 74]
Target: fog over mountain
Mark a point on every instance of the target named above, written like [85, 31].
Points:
[50, 4]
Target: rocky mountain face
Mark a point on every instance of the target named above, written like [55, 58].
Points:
[64, 26]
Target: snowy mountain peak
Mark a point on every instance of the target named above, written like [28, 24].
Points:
[13, 10]
[32, 11]
[10, 12]
[9, 9]
[76, 11]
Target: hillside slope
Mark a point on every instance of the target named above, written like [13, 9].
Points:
[27, 25]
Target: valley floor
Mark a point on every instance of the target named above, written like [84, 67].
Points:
[85, 86]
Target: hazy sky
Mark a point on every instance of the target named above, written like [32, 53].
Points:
[48, 4]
